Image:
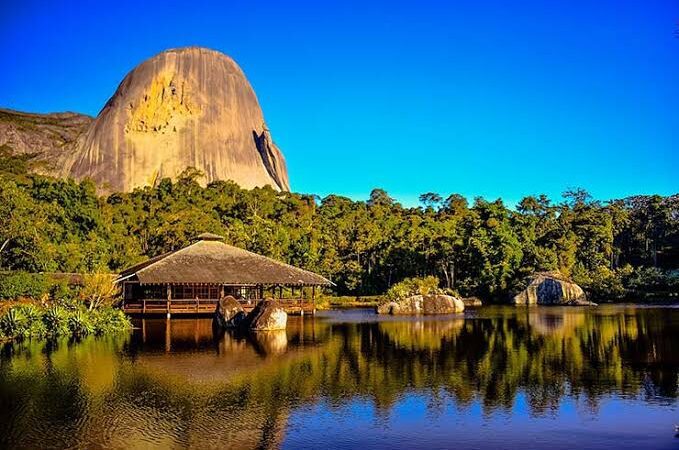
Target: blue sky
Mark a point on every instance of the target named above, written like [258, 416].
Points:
[483, 98]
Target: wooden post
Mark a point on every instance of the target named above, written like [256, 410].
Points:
[169, 300]
[124, 293]
[168, 335]
[313, 300]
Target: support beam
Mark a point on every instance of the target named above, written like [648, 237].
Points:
[169, 300]
[313, 300]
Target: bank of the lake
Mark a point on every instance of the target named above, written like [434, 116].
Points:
[529, 377]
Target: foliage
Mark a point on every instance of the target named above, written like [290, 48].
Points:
[23, 284]
[413, 286]
[364, 247]
[98, 290]
[28, 320]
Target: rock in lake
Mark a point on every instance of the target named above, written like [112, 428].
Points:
[549, 288]
[229, 313]
[418, 304]
[267, 315]
[472, 301]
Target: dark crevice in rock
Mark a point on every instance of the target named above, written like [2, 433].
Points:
[270, 158]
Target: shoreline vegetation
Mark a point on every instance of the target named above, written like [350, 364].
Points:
[42, 306]
[617, 250]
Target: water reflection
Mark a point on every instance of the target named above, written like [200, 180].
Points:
[179, 383]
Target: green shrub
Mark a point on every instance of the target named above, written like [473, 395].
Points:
[79, 323]
[649, 281]
[603, 283]
[27, 320]
[23, 284]
[13, 323]
[56, 321]
[109, 320]
[414, 286]
[63, 294]
[33, 316]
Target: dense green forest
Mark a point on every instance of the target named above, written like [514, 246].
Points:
[615, 249]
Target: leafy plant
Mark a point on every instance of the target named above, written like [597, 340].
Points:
[79, 324]
[56, 321]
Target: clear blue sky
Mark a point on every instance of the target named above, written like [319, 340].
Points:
[490, 98]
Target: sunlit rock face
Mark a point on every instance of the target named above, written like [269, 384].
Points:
[419, 304]
[229, 313]
[187, 107]
[550, 288]
[268, 315]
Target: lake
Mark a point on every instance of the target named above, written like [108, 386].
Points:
[495, 377]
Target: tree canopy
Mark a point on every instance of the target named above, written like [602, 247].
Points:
[364, 247]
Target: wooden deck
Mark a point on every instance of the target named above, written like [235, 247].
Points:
[207, 306]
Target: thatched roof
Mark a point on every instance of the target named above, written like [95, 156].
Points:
[213, 262]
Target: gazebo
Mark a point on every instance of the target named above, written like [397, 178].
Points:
[193, 279]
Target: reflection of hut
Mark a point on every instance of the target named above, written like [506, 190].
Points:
[194, 278]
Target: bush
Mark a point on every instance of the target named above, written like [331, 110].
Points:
[651, 281]
[13, 323]
[23, 284]
[55, 319]
[27, 320]
[603, 283]
[109, 320]
[414, 286]
[79, 323]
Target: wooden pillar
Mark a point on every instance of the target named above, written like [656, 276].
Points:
[169, 300]
[168, 335]
[313, 300]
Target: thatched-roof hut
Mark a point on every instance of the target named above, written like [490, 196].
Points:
[194, 278]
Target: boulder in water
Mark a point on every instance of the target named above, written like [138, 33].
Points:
[419, 304]
[229, 313]
[550, 288]
[266, 316]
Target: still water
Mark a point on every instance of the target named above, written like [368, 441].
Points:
[496, 377]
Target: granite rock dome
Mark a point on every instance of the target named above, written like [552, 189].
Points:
[187, 107]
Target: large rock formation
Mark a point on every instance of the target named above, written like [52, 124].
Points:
[548, 288]
[419, 304]
[268, 315]
[187, 107]
[49, 137]
[229, 313]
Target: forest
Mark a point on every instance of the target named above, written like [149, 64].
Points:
[616, 249]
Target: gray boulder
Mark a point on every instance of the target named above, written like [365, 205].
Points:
[229, 313]
[266, 316]
[550, 288]
[419, 304]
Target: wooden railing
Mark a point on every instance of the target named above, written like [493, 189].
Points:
[207, 306]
